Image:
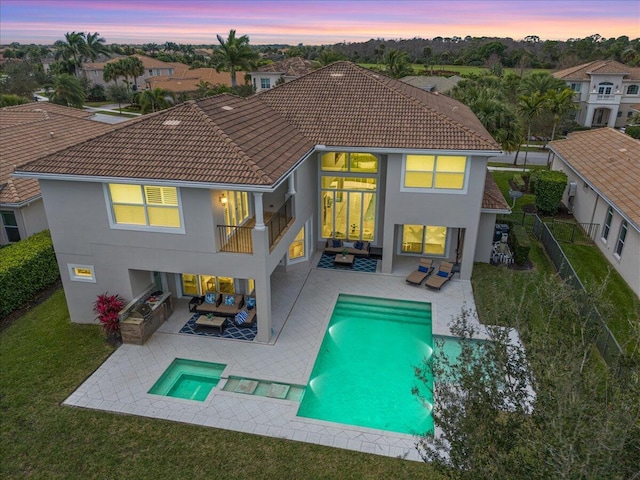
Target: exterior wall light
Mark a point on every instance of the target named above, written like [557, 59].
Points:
[223, 199]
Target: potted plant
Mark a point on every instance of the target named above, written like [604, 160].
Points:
[108, 309]
[344, 253]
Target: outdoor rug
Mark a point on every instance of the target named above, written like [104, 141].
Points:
[361, 264]
[230, 332]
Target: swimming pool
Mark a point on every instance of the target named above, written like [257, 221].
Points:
[188, 379]
[364, 370]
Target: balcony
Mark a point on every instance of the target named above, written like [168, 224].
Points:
[239, 239]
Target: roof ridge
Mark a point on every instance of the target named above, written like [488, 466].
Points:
[417, 102]
[236, 148]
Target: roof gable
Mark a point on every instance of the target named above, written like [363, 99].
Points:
[598, 67]
[346, 105]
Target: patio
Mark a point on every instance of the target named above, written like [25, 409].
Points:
[302, 303]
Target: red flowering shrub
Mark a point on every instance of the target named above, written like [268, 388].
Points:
[107, 307]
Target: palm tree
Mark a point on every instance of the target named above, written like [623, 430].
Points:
[112, 71]
[95, 46]
[67, 90]
[529, 107]
[132, 66]
[155, 100]
[559, 104]
[328, 56]
[70, 51]
[398, 64]
[233, 54]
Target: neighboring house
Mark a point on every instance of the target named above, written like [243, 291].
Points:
[223, 191]
[94, 72]
[432, 84]
[604, 167]
[269, 76]
[28, 132]
[605, 92]
[189, 80]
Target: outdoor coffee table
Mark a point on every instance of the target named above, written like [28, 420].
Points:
[215, 322]
[344, 260]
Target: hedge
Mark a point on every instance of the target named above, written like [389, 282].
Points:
[550, 185]
[633, 131]
[519, 243]
[26, 267]
[518, 181]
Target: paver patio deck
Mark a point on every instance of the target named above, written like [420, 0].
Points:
[302, 302]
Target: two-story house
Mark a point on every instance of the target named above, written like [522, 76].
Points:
[607, 92]
[28, 132]
[268, 76]
[218, 193]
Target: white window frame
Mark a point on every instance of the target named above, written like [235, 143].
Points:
[637, 89]
[79, 278]
[265, 83]
[622, 236]
[447, 244]
[462, 191]
[141, 228]
[306, 245]
[606, 228]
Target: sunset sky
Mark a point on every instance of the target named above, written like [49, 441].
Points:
[313, 23]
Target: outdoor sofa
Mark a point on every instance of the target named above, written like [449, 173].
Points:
[357, 248]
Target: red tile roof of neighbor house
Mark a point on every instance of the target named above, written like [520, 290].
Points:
[29, 132]
[610, 162]
[291, 67]
[582, 72]
[493, 198]
[255, 141]
[189, 80]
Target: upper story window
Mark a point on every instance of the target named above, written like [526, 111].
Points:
[150, 72]
[349, 162]
[607, 223]
[632, 90]
[265, 83]
[145, 207]
[445, 172]
[605, 88]
[621, 237]
[576, 87]
[171, 71]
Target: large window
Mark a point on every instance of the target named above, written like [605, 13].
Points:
[197, 285]
[236, 209]
[435, 172]
[424, 239]
[621, 237]
[265, 83]
[297, 249]
[145, 206]
[632, 90]
[607, 224]
[348, 195]
[10, 226]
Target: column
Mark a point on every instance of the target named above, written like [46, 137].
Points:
[291, 185]
[259, 211]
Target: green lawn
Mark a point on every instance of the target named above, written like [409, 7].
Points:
[45, 357]
[502, 180]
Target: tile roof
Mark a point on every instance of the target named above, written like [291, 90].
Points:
[440, 84]
[32, 131]
[188, 80]
[492, 198]
[583, 72]
[608, 160]
[291, 67]
[345, 105]
[231, 140]
[221, 139]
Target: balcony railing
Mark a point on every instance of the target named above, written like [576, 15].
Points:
[279, 221]
[235, 239]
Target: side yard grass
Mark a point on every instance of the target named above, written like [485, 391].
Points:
[45, 357]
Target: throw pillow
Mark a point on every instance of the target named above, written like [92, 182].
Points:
[210, 298]
[358, 245]
[443, 274]
[422, 268]
[347, 244]
[337, 243]
[229, 300]
[241, 317]
[251, 303]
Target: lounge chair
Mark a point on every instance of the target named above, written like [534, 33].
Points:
[442, 276]
[425, 267]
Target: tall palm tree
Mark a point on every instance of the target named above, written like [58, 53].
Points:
[559, 104]
[233, 54]
[155, 100]
[112, 71]
[70, 51]
[95, 46]
[328, 56]
[530, 107]
[132, 66]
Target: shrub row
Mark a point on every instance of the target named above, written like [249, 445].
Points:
[26, 268]
[519, 243]
[550, 185]
[518, 181]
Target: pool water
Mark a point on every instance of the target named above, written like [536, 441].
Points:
[188, 379]
[364, 370]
